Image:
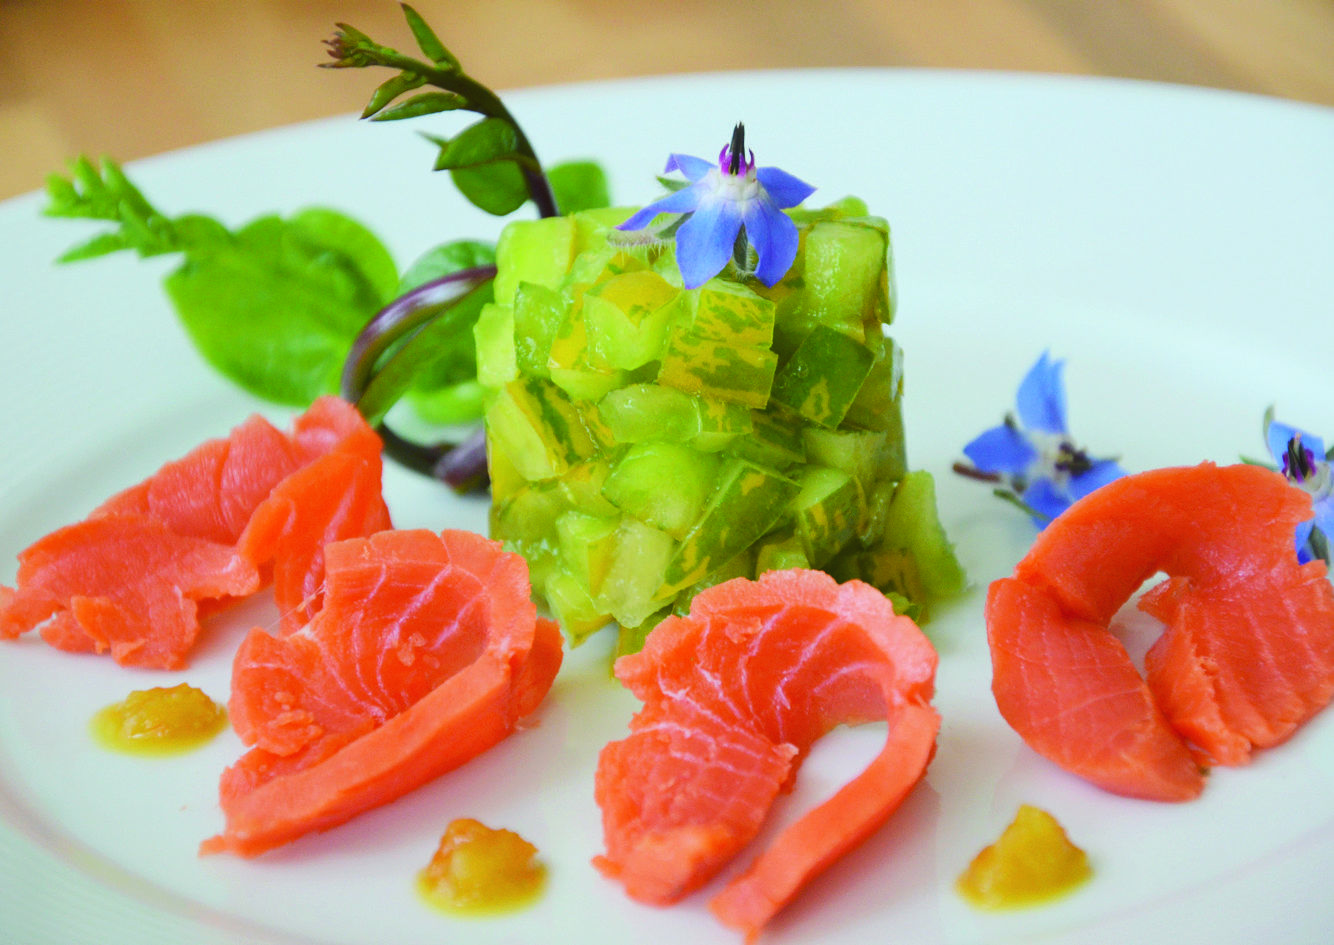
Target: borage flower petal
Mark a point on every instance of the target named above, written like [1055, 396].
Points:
[1300, 457]
[1001, 449]
[774, 237]
[1041, 397]
[734, 204]
[704, 242]
[1034, 460]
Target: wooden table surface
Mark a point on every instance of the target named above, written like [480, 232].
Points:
[129, 78]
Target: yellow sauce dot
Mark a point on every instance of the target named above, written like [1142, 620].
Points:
[159, 721]
[480, 871]
[1032, 862]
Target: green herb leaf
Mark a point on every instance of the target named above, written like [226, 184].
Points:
[428, 42]
[579, 185]
[444, 260]
[469, 156]
[428, 103]
[485, 142]
[498, 189]
[392, 89]
[277, 310]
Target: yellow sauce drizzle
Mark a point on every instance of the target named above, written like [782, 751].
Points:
[1032, 862]
[159, 721]
[479, 871]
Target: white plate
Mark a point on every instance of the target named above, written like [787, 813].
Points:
[1172, 244]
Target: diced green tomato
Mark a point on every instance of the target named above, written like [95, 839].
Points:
[861, 454]
[642, 447]
[574, 367]
[893, 571]
[747, 501]
[527, 522]
[848, 206]
[591, 226]
[594, 266]
[663, 484]
[572, 606]
[826, 512]
[631, 639]
[716, 370]
[587, 543]
[632, 588]
[537, 251]
[913, 524]
[718, 424]
[538, 315]
[846, 269]
[741, 565]
[822, 378]
[538, 428]
[780, 554]
[582, 486]
[878, 501]
[628, 316]
[906, 608]
[725, 311]
[505, 479]
[649, 411]
[775, 440]
[494, 337]
[878, 405]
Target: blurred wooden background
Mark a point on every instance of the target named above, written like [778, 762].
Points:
[128, 78]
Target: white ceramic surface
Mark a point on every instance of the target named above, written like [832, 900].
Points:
[1173, 245]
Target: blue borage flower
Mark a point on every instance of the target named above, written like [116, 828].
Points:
[1302, 459]
[723, 199]
[1033, 459]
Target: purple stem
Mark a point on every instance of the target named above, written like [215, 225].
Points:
[401, 317]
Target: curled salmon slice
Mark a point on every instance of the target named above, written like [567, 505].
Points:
[126, 586]
[1246, 656]
[101, 586]
[336, 496]
[426, 652]
[734, 695]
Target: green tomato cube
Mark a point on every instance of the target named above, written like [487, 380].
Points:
[717, 370]
[747, 502]
[823, 376]
[663, 484]
[628, 316]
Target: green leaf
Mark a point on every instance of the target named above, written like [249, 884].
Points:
[498, 188]
[428, 42]
[108, 195]
[464, 402]
[100, 245]
[485, 142]
[673, 184]
[277, 310]
[579, 185]
[392, 89]
[446, 259]
[428, 103]
[361, 248]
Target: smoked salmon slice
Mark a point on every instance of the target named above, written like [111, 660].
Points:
[734, 695]
[426, 652]
[100, 585]
[1246, 656]
[129, 586]
[335, 497]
